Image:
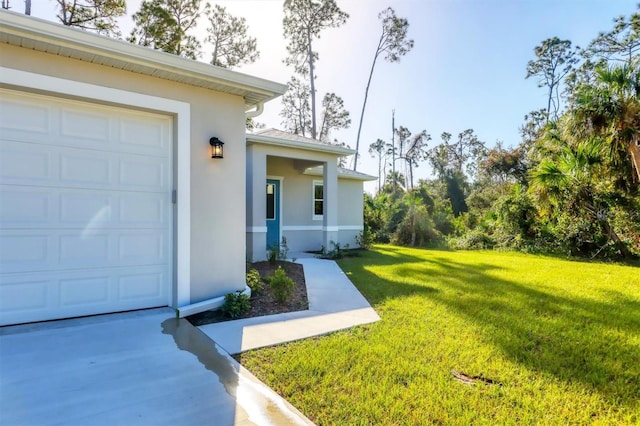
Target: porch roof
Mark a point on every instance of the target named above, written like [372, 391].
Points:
[343, 173]
[280, 138]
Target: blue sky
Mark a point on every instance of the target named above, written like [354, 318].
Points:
[467, 69]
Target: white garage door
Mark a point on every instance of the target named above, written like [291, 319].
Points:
[85, 208]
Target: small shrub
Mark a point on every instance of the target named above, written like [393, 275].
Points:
[236, 304]
[365, 238]
[334, 253]
[253, 281]
[278, 252]
[472, 240]
[281, 285]
[284, 249]
[272, 254]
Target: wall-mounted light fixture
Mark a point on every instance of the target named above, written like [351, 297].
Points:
[216, 147]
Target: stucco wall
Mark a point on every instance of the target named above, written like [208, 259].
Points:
[302, 231]
[296, 192]
[217, 186]
[350, 199]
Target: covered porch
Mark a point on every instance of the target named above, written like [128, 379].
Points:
[284, 198]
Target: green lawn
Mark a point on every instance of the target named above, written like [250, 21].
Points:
[563, 338]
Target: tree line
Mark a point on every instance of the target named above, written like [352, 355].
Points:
[571, 184]
[169, 25]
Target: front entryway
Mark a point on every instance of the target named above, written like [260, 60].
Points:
[273, 213]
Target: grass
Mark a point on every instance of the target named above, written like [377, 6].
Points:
[563, 338]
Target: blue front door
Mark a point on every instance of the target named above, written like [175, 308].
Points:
[273, 213]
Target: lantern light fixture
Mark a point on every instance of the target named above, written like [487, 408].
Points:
[216, 147]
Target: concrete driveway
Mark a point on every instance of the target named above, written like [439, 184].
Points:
[137, 368]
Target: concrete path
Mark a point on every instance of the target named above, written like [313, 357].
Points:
[137, 368]
[334, 304]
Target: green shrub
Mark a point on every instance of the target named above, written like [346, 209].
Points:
[253, 281]
[365, 238]
[272, 254]
[236, 304]
[472, 240]
[416, 227]
[278, 252]
[281, 285]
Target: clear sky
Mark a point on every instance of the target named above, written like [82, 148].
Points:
[467, 69]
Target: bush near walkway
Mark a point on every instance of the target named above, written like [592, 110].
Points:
[561, 337]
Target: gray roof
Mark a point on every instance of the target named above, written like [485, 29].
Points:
[281, 138]
[342, 173]
[281, 134]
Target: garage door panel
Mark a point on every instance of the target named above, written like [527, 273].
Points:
[143, 210]
[83, 251]
[143, 174]
[24, 206]
[142, 248]
[88, 128]
[141, 285]
[25, 118]
[24, 295]
[25, 163]
[143, 134]
[84, 168]
[84, 291]
[87, 211]
[44, 296]
[32, 164]
[85, 208]
[23, 251]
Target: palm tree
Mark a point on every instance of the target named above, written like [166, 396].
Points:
[396, 181]
[610, 110]
[574, 181]
[378, 148]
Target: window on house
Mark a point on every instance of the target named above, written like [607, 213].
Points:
[318, 200]
[271, 202]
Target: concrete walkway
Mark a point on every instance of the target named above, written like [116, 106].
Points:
[334, 304]
[149, 368]
[136, 368]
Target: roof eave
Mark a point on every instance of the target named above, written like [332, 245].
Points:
[327, 149]
[360, 177]
[16, 29]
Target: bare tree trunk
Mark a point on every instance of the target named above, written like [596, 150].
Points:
[411, 173]
[379, 168]
[313, 87]
[27, 7]
[549, 103]
[364, 104]
[624, 251]
[634, 150]
[393, 147]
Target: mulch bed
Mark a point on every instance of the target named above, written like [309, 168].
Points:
[264, 303]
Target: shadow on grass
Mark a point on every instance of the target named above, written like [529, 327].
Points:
[575, 339]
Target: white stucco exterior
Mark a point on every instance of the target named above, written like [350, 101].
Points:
[202, 101]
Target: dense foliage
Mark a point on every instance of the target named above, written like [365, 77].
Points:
[570, 186]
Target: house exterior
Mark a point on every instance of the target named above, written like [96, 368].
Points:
[309, 200]
[109, 197]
